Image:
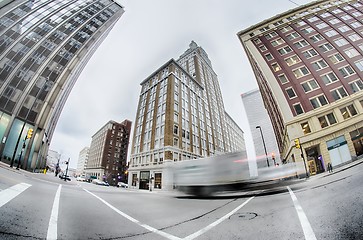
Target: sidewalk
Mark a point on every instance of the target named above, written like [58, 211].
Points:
[20, 171]
[338, 169]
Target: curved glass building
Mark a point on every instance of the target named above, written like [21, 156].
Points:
[44, 45]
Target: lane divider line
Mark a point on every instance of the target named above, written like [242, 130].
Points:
[154, 230]
[52, 233]
[212, 225]
[8, 194]
[307, 229]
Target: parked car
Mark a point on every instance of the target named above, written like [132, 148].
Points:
[81, 179]
[63, 176]
[99, 182]
[122, 185]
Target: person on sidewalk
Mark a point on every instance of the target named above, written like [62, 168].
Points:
[330, 168]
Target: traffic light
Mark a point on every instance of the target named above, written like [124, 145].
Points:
[30, 133]
[297, 143]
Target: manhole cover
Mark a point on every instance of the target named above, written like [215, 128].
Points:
[244, 216]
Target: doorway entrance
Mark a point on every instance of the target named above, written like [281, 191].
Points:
[144, 180]
[315, 161]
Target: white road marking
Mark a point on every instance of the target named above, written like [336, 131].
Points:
[167, 235]
[53, 222]
[154, 230]
[10, 193]
[308, 231]
[212, 225]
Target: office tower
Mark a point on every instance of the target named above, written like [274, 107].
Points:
[82, 161]
[44, 45]
[107, 159]
[308, 64]
[180, 116]
[257, 116]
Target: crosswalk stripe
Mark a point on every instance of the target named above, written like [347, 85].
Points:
[10, 193]
[53, 222]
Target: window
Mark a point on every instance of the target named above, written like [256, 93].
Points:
[326, 47]
[327, 120]
[359, 64]
[282, 78]
[298, 109]
[336, 58]
[357, 14]
[290, 92]
[301, 23]
[308, 30]
[305, 127]
[331, 33]
[300, 72]
[354, 37]
[336, 11]
[319, 65]
[270, 35]
[341, 42]
[344, 28]
[269, 56]
[292, 60]
[356, 24]
[318, 101]
[284, 50]
[264, 29]
[278, 23]
[310, 53]
[275, 67]
[329, 78]
[348, 111]
[301, 44]
[322, 25]
[286, 29]
[293, 35]
[309, 85]
[334, 21]
[313, 19]
[351, 52]
[356, 86]
[176, 128]
[176, 142]
[316, 38]
[263, 48]
[325, 15]
[277, 42]
[347, 8]
[257, 40]
[346, 71]
[339, 93]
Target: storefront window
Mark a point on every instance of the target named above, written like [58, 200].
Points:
[157, 182]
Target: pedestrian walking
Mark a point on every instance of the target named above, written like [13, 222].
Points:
[330, 168]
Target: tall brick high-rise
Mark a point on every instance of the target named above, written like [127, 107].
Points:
[308, 63]
[180, 116]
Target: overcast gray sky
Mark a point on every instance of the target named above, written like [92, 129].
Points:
[147, 35]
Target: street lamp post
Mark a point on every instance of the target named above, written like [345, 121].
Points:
[264, 145]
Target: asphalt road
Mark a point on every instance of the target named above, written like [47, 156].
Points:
[39, 206]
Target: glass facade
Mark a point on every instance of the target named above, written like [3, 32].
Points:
[43, 47]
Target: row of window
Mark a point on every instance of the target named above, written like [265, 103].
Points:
[330, 119]
[315, 18]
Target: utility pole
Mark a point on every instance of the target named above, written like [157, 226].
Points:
[65, 179]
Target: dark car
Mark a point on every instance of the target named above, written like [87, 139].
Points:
[63, 176]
